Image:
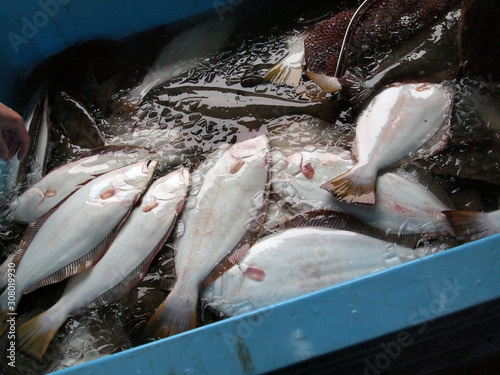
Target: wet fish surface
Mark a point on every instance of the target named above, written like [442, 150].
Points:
[64, 180]
[122, 266]
[59, 248]
[218, 215]
[297, 261]
[406, 121]
[407, 201]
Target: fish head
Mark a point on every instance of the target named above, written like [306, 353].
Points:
[250, 147]
[248, 150]
[167, 189]
[28, 202]
[126, 184]
[138, 175]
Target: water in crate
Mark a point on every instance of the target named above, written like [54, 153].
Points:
[248, 116]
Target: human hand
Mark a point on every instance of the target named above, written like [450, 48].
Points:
[14, 137]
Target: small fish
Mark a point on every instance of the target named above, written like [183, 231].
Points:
[471, 225]
[15, 169]
[289, 70]
[122, 266]
[297, 261]
[407, 201]
[41, 150]
[220, 222]
[77, 234]
[64, 180]
[401, 123]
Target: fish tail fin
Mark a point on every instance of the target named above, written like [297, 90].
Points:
[284, 74]
[176, 314]
[353, 186]
[469, 225]
[36, 334]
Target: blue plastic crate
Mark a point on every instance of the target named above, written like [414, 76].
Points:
[400, 305]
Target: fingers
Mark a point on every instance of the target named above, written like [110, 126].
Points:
[4, 150]
[23, 142]
[14, 138]
[10, 144]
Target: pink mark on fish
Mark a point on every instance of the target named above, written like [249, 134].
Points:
[236, 166]
[150, 206]
[254, 273]
[50, 193]
[107, 194]
[308, 170]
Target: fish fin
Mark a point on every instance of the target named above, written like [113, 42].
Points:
[15, 258]
[116, 292]
[77, 266]
[284, 74]
[353, 186]
[325, 218]
[3, 321]
[325, 83]
[469, 225]
[33, 228]
[226, 263]
[354, 84]
[132, 279]
[419, 175]
[176, 314]
[35, 336]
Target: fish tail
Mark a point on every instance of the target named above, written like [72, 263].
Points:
[469, 225]
[284, 74]
[355, 86]
[176, 314]
[36, 334]
[354, 186]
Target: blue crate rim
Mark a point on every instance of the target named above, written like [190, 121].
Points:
[286, 308]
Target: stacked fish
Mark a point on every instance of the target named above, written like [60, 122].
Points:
[101, 219]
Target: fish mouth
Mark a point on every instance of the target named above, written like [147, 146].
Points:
[149, 166]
